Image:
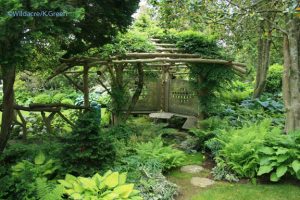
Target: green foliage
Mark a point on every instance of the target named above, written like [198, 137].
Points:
[48, 191]
[154, 185]
[132, 41]
[25, 173]
[274, 78]
[280, 155]
[57, 98]
[42, 98]
[240, 148]
[67, 101]
[87, 145]
[214, 77]
[111, 185]
[166, 155]
[222, 172]
[237, 92]
[39, 168]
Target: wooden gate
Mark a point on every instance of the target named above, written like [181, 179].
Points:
[173, 95]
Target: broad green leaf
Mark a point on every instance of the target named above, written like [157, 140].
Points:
[282, 158]
[280, 171]
[267, 150]
[97, 178]
[112, 180]
[265, 160]
[274, 177]
[39, 159]
[296, 166]
[88, 183]
[134, 192]
[111, 196]
[122, 178]
[264, 170]
[65, 184]
[70, 178]
[18, 167]
[76, 196]
[124, 190]
[281, 150]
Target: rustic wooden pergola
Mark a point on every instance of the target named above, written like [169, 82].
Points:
[167, 57]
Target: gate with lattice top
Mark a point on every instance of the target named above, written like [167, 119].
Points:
[173, 95]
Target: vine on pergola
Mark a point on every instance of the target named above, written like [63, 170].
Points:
[137, 52]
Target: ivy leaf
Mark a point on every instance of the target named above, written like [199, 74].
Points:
[274, 177]
[264, 169]
[281, 171]
[296, 166]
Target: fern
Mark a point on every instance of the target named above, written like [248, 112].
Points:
[48, 191]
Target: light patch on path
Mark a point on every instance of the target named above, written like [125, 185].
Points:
[192, 169]
[201, 182]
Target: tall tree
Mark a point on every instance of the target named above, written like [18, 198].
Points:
[291, 77]
[97, 25]
[17, 36]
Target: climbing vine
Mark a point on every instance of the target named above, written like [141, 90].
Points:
[207, 79]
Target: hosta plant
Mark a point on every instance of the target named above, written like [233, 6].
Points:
[280, 156]
[110, 186]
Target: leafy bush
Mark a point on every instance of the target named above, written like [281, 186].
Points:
[166, 155]
[274, 78]
[42, 98]
[153, 185]
[222, 172]
[280, 155]
[111, 185]
[237, 92]
[57, 98]
[87, 150]
[240, 148]
[67, 101]
[24, 176]
[46, 190]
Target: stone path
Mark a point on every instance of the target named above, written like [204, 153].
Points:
[192, 169]
[197, 181]
[201, 182]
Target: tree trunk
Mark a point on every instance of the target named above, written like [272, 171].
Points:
[86, 86]
[8, 74]
[264, 45]
[138, 90]
[291, 76]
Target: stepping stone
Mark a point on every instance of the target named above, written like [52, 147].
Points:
[201, 182]
[192, 169]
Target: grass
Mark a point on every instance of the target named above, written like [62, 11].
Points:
[193, 159]
[226, 191]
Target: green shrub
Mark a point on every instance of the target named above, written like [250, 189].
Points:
[87, 149]
[240, 148]
[222, 172]
[154, 185]
[274, 78]
[42, 98]
[166, 155]
[237, 92]
[57, 98]
[25, 173]
[67, 101]
[111, 185]
[280, 155]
